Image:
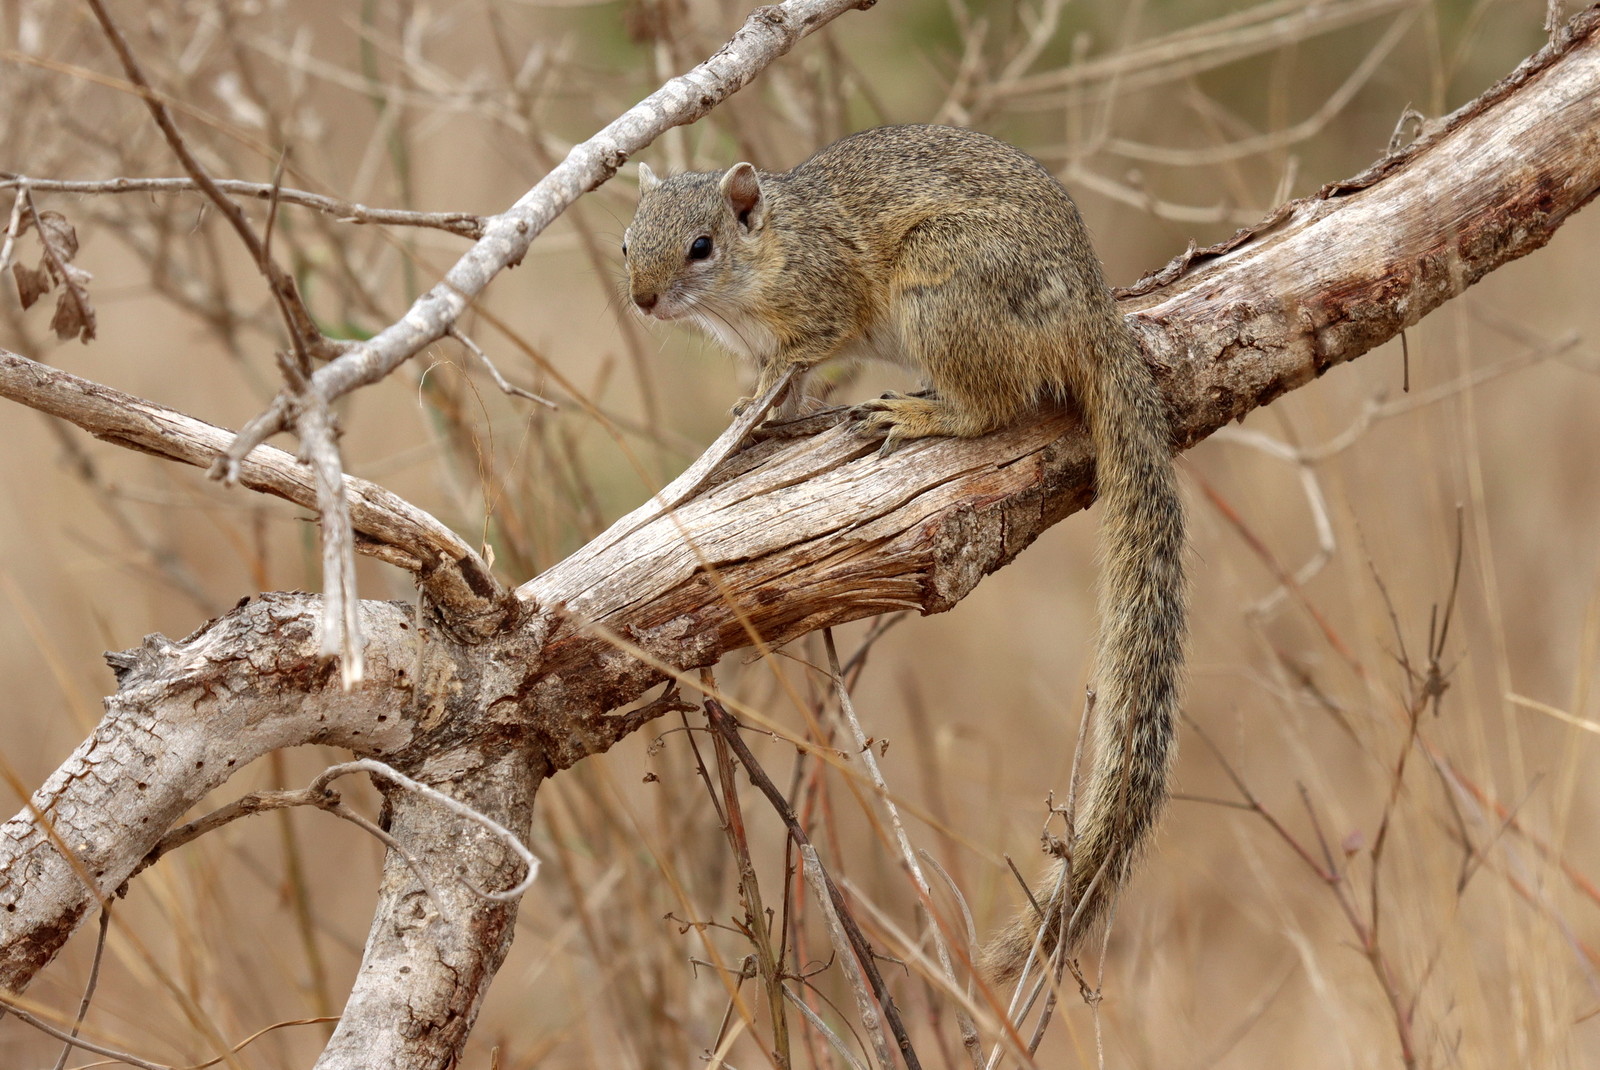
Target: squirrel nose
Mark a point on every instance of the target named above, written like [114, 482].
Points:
[645, 301]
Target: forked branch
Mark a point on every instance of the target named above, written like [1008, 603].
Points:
[784, 537]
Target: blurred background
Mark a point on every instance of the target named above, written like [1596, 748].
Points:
[1272, 935]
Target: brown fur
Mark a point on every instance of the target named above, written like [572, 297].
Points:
[960, 256]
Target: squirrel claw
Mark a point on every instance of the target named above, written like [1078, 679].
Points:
[881, 403]
[873, 420]
[891, 443]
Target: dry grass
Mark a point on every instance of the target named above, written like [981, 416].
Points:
[1385, 845]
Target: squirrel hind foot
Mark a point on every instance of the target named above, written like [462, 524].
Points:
[900, 418]
[886, 418]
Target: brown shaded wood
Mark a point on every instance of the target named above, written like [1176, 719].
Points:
[796, 535]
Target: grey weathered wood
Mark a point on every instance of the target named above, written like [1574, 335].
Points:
[393, 529]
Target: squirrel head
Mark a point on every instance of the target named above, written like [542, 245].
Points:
[689, 246]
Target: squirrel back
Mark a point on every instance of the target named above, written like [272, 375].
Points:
[953, 253]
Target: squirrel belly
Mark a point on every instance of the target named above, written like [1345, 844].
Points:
[960, 256]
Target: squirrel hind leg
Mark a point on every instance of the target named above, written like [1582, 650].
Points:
[963, 308]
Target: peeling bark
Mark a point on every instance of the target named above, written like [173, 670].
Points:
[186, 717]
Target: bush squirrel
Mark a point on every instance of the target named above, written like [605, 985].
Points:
[955, 254]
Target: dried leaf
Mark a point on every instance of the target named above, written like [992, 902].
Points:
[56, 232]
[32, 284]
[77, 277]
[74, 315]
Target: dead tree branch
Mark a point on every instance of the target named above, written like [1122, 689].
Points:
[461, 224]
[785, 537]
[455, 577]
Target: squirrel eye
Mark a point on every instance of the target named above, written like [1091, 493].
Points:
[700, 248]
[624, 248]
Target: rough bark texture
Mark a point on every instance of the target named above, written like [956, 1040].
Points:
[787, 536]
[433, 949]
[1329, 277]
[186, 717]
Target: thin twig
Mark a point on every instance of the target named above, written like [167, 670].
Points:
[302, 329]
[464, 224]
[1049, 915]
[768, 965]
[318, 794]
[842, 939]
[969, 1031]
[857, 942]
[456, 578]
[340, 625]
[74, 1040]
[89, 986]
[499, 380]
[455, 806]
[820, 1026]
[13, 226]
[767, 34]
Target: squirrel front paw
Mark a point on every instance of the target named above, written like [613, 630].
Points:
[790, 407]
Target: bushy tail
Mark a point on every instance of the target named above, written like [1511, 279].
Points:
[1137, 667]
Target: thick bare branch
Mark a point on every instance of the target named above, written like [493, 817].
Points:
[187, 717]
[792, 536]
[452, 573]
[430, 957]
[1331, 276]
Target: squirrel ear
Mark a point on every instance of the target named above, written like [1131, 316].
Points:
[741, 188]
[647, 179]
